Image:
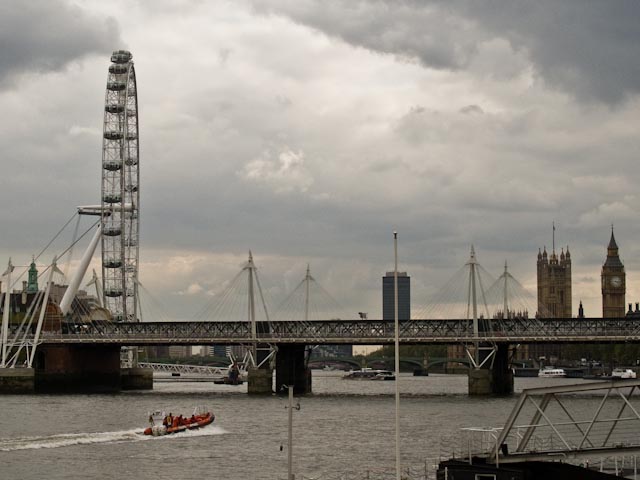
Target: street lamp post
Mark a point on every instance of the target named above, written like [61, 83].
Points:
[290, 475]
[397, 351]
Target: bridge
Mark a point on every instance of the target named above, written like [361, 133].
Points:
[352, 332]
[287, 340]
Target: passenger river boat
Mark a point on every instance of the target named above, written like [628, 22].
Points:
[616, 374]
[624, 373]
[370, 374]
[551, 373]
[162, 424]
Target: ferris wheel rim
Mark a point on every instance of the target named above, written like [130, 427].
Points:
[120, 189]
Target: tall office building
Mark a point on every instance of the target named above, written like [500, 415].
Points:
[404, 296]
[613, 283]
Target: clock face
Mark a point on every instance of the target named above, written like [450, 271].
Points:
[616, 282]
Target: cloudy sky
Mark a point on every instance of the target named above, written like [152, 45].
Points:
[308, 130]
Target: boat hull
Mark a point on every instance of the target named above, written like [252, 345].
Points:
[160, 430]
[369, 374]
[552, 373]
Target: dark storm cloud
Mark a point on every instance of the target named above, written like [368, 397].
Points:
[45, 36]
[586, 48]
[410, 32]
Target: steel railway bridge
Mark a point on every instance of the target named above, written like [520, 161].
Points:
[354, 332]
[81, 350]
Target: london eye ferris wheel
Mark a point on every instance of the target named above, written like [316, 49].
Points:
[120, 193]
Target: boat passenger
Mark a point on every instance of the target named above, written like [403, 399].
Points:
[176, 421]
[151, 420]
[193, 419]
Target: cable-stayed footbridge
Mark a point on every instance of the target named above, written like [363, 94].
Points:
[240, 315]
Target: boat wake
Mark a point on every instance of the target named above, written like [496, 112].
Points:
[198, 432]
[70, 439]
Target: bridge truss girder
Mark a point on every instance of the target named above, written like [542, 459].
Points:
[364, 332]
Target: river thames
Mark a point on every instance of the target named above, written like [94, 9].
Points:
[344, 430]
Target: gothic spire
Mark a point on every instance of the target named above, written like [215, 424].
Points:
[612, 243]
[613, 259]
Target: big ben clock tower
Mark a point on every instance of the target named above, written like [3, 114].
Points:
[613, 283]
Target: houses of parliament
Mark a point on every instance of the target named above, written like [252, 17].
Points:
[554, 290]
[554, 283]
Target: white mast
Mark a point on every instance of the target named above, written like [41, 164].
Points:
[43, 311]
[252, 309]
[96, 281]
[5, 314]
[397, 351]
[506, 293]
[290, 437]
[307, 278]
[474, 303]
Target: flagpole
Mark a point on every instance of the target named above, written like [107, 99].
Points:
[397, 351]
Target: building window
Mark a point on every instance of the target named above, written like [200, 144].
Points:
[485, 476]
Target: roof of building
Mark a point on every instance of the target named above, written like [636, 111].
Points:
[613, 259]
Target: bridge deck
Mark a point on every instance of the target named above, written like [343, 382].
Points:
[520, 330]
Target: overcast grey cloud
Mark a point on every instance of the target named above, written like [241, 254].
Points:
[308, 131]
[587, 48]
[45, 36]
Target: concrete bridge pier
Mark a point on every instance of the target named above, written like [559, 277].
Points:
[260, 380]
[77, 368]
[136, 378]
[497, 380]
[86, 369]
[291, 369]
[17, 380]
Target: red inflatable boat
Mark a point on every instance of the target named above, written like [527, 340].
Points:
[167, 424]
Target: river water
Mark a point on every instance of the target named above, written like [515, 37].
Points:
[344, 430]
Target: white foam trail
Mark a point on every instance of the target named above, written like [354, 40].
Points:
[66, 439]
[200, 432]
[69, 439]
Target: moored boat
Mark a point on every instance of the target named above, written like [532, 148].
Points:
[162, 424]
[370, 374]
[616, 374]
[551, 373]
[623, 373]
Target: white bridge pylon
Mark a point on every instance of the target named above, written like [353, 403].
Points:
[21, 338]
[465, 295]
[481, 354]
[241, 300]
[244, 300]
[310, 301]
